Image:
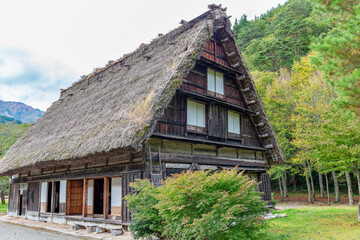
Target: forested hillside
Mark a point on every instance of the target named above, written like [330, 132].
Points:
[304, 57]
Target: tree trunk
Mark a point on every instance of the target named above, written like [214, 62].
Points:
[312, 187]
[284, 180]
[3, 191]
[350, 192]
[308, 188]
[321, 185]
[336, 186]
[293, 182]
[358, 177]
[327, 188]
[281, 191]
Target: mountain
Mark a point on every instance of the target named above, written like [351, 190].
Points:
[6, 120]
[19, 111]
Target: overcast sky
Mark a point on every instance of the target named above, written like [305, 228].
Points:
[47, 45]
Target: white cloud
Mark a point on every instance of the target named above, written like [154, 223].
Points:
[34, 80]
[10, 67]
[27, 94]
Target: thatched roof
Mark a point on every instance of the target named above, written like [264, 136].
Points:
[117, 107]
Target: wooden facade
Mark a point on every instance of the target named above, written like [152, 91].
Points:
[206, 124]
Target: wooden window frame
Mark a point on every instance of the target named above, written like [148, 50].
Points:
[193, 128]
[231, 135]
[215, 93]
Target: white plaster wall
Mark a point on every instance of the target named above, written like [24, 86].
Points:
[90, 192]
[62, 191]
[43, 191]
[116, 192]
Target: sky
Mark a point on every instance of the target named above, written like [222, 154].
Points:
[47, 45]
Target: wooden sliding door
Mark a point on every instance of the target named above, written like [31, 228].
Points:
[75, 197]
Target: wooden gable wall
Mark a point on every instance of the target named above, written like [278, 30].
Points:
[194, 86]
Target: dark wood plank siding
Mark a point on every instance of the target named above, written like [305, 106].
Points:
[127, 178]
[33, 196]
[232, 93]
[217, 126]
[174, 119]
[214, 51]
[249, 134]
[265, 186]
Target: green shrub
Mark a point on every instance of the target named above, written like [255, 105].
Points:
[146, 220]
[198, 205]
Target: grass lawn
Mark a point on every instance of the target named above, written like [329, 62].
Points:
[337, 222]
[3, 207]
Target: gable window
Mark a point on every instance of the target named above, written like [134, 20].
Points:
[215, 81]
[195, 116]
[233, 123]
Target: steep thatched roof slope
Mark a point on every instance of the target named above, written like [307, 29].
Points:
[116, 107]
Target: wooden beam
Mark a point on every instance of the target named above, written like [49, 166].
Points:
[205, 62]
[216, 100]
[185, 158]
[264, 135]
[236, 65]
[250, 102]
[84, 204]
[269, 146]
[194, 140]
[85, 173]
[106, 198]
[260, 124]
[230, 54]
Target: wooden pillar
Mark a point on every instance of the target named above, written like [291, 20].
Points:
[68, 186]
[93, 199]
[53, 197]
[106, 198]
[84, 205]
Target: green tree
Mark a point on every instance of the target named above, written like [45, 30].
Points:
[9, 134]
[339, 50]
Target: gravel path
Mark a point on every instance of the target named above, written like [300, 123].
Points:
[16, 232]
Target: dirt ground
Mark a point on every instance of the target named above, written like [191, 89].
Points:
[297, 201]
[303, 198]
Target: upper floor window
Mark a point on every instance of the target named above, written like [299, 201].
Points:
[215, 81]
[195, 116]
[233, 122]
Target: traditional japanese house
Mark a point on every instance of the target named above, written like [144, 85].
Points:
[184, 101]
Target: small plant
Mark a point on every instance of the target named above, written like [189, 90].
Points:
[198, 205]
[273, 200]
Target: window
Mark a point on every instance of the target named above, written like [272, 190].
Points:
[233, 122]
[215, 81]
[195, 114]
